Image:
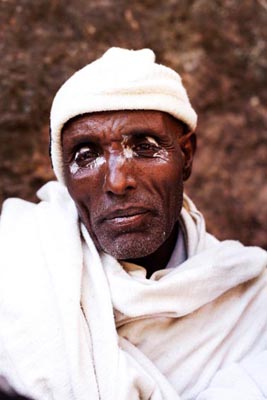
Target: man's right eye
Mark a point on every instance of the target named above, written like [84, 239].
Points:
[85, 155]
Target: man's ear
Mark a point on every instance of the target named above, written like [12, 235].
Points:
[188, 144]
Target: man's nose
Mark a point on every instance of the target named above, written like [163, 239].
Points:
[119, 177]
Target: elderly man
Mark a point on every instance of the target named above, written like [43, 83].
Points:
[110, 287]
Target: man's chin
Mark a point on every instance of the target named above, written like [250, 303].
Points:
[127, 247]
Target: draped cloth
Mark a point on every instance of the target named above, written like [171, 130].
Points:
[76, 324]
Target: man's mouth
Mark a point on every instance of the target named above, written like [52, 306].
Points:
[132, 217]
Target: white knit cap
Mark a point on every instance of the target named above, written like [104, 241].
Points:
[119, 80]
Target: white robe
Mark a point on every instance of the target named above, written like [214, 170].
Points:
[78, 325]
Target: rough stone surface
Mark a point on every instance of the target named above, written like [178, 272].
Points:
[220, 49]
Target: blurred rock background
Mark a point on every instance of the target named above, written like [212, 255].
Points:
[218, 46]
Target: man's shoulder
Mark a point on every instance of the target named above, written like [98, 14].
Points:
[25, 227]
[17, 210]
[14, 209]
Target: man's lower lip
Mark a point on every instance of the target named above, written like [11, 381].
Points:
[127, 221]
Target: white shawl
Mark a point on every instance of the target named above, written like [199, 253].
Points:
[76, 325]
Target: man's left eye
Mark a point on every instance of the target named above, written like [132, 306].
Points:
[146, 149]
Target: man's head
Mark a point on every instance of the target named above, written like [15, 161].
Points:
[123, 142]
[125, 172]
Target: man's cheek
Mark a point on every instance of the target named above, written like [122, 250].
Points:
[87, 219]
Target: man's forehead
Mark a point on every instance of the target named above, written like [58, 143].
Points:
[126, 121]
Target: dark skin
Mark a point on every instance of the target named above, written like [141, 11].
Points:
[125, 171]
[12, 396]
[7, 392]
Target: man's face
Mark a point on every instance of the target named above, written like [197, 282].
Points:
[124, 170]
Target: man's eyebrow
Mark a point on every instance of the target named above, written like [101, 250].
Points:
[141, 132]
[76, 134]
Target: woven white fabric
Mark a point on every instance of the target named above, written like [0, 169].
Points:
[76, 325]
[119, 80]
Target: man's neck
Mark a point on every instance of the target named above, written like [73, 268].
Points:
[160, 258]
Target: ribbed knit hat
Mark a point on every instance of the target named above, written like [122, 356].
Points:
[119, 80]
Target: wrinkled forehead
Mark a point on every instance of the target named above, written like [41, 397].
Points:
[125, 122]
